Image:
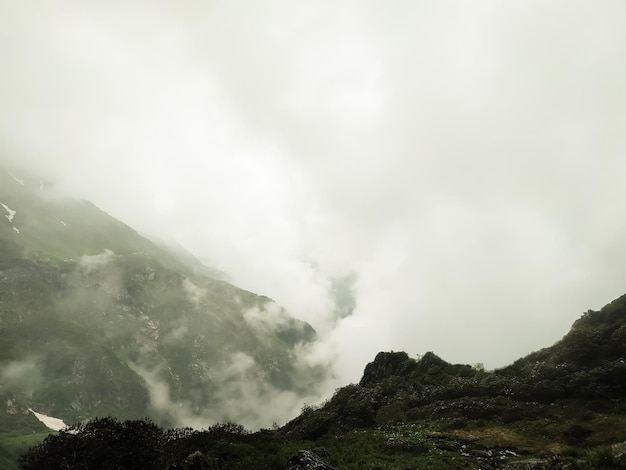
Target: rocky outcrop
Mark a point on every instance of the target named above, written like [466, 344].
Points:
[307, 460]
[386, 364]
[619, 452]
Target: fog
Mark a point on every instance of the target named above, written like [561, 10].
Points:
[421, 176]
[241, 396]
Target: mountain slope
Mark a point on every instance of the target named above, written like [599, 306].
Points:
[96, 319]
[568, 396]
[410, 413]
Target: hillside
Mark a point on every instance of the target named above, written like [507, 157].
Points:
[561, 407]
[587, 365]
[97, 320]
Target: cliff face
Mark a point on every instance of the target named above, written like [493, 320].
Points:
[385, 365]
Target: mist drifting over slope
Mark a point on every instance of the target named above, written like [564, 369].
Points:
[411, 176]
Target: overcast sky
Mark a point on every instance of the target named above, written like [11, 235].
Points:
[463, 162]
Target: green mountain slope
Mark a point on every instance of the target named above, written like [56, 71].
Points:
[562, 407]
[97, 320]
[560, 400]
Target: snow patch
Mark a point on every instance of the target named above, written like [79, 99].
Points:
[64, 224]
[17, 230]
[10, 211]
[55, 424]
[16, 178]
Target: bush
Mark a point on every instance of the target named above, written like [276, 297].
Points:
[100, 444]
[576, 434]
[601, 458]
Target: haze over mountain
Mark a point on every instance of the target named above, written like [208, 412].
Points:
[97, 320]
[562, 407]
[453, 171]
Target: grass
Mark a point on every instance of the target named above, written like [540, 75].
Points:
[13, 444]
[580, 435]
[427, 444]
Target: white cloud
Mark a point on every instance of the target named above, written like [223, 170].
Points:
[91, 262]
[241, 395]
[195, 293]
[463, 160]
[24, 375]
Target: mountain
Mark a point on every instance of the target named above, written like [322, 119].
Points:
[562, 407]
[587, 366]
[565, 399]
[97, 320]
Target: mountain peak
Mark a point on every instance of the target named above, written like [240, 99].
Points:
[384, 365]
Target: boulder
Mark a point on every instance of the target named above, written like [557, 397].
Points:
[307, 460]
[619, 452]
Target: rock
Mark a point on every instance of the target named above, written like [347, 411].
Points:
[307, 460]
[481, 453]
[196, 461]
[619, 452]
[386, 364]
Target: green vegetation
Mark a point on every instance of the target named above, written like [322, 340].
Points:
[406, 414]
[108, 443]
[139, 331]
[97, 320]
[14, 444]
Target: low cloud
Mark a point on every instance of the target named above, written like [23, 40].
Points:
[195, 293]
[463, 160]
[240, 393]
[23, 376]
[268, 318]
[92, 262]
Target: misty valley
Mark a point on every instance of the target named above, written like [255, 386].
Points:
[116, 352]
[312, 235]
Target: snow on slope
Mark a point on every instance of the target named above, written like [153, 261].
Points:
[10, 211]
[55, 424]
